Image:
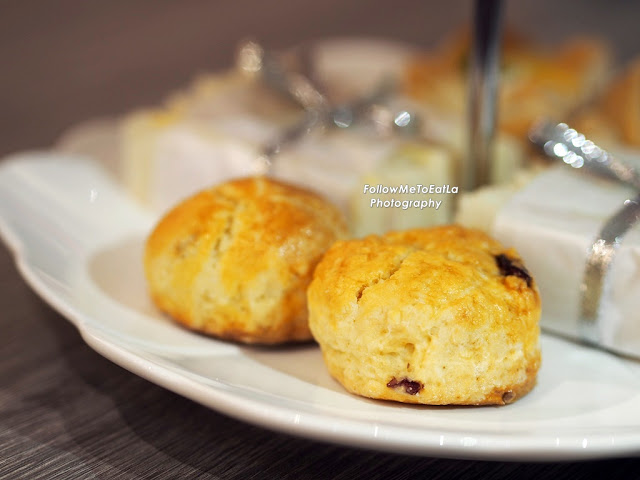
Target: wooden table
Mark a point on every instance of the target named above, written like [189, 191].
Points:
[65, 411]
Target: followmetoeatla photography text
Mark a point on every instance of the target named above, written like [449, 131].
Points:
[395, 196]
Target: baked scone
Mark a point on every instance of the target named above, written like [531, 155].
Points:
[235, 261]
[436, 316]
[534, 82]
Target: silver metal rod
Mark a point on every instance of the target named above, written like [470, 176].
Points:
[483, 85]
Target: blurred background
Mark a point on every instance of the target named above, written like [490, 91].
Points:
[65, 61]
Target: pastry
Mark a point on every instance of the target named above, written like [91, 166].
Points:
[202, 135]
[614, 119]
[435, 316]
[534, 81]
[234, 261]
[395, 194]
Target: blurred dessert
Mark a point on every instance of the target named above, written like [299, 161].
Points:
[611, 118]
[207, 133]
[555, 222]
[534, 81]
[217, 128]
[614, 118]
[417, 178]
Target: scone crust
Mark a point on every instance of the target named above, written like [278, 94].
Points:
[234, 261]
[427, 316]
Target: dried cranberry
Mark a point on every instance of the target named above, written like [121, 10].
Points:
[509, 266]
[410, 386]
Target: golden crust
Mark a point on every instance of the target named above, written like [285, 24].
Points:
[234, 261]
[427, 316]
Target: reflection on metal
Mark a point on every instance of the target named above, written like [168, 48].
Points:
[483, 85]
[369, 111]
[599, 260]
[563, 142]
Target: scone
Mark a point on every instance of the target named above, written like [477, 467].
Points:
[534, 81]
[436, 316]
[235, 261]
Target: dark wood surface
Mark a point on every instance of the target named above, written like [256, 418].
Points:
[65, 411]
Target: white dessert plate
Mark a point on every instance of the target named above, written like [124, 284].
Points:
[78, 238]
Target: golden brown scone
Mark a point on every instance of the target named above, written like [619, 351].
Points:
[437, 316]
[622, 103]
[615, 118]
[235, 261]
[534, 82]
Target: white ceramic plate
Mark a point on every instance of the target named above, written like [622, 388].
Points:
[77, 239]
